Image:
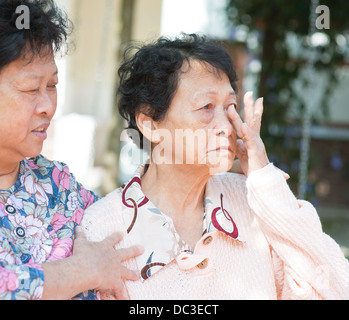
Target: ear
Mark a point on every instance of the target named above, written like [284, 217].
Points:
[147, 126]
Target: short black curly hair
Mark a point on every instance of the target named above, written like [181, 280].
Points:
[150, 76]
[49, 28]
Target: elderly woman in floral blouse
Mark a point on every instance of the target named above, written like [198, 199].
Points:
[41, 203]
[208, 234]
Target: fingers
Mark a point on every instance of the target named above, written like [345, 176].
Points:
[123, 253]
[241, 151]
[118, 272]
[119, 292]
[247, 134]
[79, 233]
[128, 274]
[248, 107]
[114, 238]
[236, 121]
[258, 112]
[286, 175]
[258, 109]
[252, 115]
[123, 295]
[131, 252]
[250, 150]
[253, 112]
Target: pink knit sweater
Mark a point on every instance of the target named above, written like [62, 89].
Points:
[284, 255]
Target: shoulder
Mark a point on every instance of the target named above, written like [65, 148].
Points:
[49, 175]
[57, 174]
[103, 217]
[40, 162]
[43, 168]
[111, 202]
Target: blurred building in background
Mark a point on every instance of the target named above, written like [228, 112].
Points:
[86, 130]
[88, 77]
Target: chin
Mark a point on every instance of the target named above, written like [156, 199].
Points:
[33, 153]
[223, 165]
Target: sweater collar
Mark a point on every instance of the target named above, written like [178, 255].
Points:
[150, 227]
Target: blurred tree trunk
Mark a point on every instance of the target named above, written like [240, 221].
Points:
[269, 69]
[111, 164]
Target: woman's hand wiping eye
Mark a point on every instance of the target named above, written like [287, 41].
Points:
[250, 148]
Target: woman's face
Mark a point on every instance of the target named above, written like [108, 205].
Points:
[196, 127]
[28, 100]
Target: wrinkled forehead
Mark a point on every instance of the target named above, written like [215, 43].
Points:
[201, 67]
[35, 68]
[33, 53]
[32, 57]
[197, 76]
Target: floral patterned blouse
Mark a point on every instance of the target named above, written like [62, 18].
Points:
[38, 215]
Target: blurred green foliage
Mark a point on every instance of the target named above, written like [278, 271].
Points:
[273, 23]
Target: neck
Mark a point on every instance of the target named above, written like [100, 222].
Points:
[176, 189]
[8, 175]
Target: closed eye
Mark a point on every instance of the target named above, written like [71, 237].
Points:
[33, 91]
[207, 107]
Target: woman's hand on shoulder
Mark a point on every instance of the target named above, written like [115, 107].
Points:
[104, 262]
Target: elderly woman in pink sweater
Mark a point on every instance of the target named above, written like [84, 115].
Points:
[209, 234]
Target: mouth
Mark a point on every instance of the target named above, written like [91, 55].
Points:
[41, 132]
[224, 149]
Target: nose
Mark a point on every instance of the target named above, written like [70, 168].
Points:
[47, 103]
[223, 124]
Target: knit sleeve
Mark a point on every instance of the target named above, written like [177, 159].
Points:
[308, 264]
